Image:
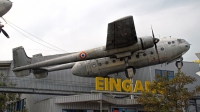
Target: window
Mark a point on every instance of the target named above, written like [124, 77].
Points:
[151, 52]
[162, 49]
[162, 73]
[99, 64]
[17, 106]
[180, 40]
[144, 54]
[173, 42]
[169, 42]
[106, 62]
[137, 56]
[114, 61]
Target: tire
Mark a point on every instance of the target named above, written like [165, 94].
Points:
[126, 71]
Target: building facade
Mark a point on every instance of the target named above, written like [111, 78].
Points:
[78, 95]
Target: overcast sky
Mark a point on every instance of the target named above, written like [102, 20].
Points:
[75, 25]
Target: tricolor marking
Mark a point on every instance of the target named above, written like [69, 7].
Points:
[82, 55]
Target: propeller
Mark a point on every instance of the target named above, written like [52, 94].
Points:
[3, 31]
[155, 40]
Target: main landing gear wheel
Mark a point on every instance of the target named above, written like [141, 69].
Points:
[179, 64]
[130, 71]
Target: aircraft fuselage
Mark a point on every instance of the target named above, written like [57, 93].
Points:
[169, 49]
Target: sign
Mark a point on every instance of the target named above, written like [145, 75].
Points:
[110, 84]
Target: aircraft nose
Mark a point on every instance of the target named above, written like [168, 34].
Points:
[187, 46]
[79, 69]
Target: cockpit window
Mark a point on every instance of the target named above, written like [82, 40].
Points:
[180, 40]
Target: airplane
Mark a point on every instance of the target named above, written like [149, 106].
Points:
[5, 6]
[124, 51]
[197, 61]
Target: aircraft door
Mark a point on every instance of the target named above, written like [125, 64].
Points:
[94, 67]
[141, 60]
[152, 57]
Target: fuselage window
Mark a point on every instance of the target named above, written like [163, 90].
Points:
[137, 56]
[144, 54]
[169, 42]
[162, 49]
[99, 64]
[151, 52]
[106, 62]
[173, 42]
[114, 61]
[180, 40]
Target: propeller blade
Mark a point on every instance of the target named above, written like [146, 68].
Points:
[4, 32]
[155, 40]
[152, 32]
[157, 53]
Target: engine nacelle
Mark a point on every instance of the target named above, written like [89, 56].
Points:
[146, 42]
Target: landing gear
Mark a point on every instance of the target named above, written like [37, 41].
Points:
[179, 64]
[181, 58]
[130, 72]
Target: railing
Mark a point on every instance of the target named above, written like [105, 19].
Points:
[46, 84]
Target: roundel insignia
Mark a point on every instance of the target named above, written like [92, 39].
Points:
[82, 55]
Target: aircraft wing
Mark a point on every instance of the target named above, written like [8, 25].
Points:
[121, 33]
[198, 55]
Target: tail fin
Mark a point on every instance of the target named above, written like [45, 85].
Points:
[20, 59]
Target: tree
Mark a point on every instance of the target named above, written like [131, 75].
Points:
[7, 98]
[198, 89]
[166, 95]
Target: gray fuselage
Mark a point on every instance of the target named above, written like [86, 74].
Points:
[169, 49]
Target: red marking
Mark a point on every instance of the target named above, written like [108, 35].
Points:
[82, 55]
[157, 59]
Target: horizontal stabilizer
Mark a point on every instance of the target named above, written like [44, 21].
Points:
[40, 73]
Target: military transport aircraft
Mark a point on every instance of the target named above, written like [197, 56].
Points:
[123, 51]
[5, 6]
[197, 61]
